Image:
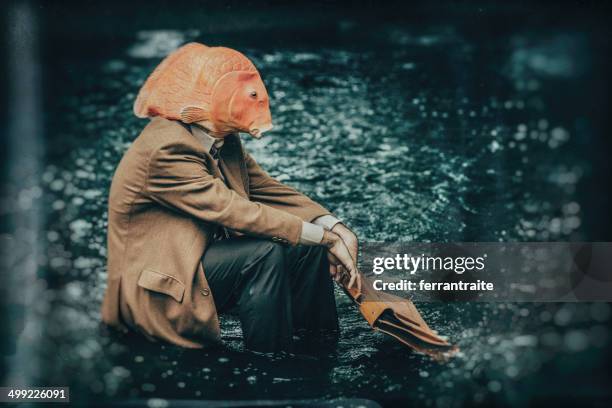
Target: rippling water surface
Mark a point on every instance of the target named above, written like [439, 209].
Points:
[431, 137]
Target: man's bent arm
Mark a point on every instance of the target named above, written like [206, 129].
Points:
[267, 190]
[179, 179]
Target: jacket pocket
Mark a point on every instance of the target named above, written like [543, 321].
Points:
[162, 283]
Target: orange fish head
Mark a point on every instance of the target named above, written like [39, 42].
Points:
[240, 102]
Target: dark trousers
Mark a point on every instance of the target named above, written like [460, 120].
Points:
[275, 287]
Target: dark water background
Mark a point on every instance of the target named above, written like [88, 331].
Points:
[481, 123]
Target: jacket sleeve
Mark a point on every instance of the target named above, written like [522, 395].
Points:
[180, 180]
[265, 189]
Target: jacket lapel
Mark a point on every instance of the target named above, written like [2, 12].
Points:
[233, 166]
[215, 169]
[233, 162]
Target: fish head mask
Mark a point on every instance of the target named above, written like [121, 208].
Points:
[240, 102]
[215, 87]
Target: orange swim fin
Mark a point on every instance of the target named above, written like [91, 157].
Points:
[400, 319]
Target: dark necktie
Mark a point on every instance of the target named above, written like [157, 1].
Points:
[214, 152]
[221, 232]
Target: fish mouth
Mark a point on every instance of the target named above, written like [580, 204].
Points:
[258, 132]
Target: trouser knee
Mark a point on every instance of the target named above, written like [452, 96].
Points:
[315, 252]
[267, 281]
[304, 255]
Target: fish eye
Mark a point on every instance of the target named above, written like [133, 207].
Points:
[253, 94]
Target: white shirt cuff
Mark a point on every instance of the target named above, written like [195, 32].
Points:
[311, 234]
[326, 221]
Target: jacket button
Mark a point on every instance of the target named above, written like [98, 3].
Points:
[205, 292]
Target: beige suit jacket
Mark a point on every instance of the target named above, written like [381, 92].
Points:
[167, 199]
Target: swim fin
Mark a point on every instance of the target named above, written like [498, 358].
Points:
[398, 318]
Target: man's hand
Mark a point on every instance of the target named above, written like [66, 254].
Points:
[340, 257]
[350, 240]
[352, 244]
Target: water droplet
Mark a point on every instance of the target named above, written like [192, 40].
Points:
[494, 386]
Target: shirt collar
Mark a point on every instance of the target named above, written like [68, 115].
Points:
[207, 140]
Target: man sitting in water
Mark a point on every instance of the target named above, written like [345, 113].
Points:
[196, 227]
